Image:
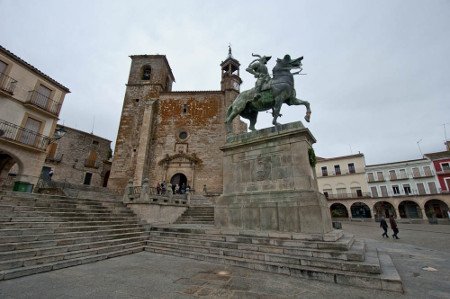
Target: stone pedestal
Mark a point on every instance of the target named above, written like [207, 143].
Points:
[269, 184]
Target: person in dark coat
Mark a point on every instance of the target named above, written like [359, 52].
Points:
[384, 226]
[394, 227]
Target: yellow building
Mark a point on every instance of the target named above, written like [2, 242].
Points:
[30, 103]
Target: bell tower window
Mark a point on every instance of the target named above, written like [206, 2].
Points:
[146, 73]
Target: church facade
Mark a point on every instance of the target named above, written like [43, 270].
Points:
[172, 136]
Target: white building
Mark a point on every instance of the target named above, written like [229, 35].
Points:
[30, 102]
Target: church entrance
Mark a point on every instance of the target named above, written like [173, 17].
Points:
[179, 179]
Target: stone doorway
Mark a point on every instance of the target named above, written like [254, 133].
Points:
[179, 179]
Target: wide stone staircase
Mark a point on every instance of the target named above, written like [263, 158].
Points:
[40, 233]
[197, 215]
[346, 261]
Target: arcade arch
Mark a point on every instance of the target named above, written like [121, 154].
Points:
[338, 210]
[360, 210]
[385, 209]
[436, 208]
[409, 209]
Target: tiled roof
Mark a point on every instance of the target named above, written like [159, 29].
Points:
[32, 68]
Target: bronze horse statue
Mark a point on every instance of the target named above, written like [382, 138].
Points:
[279, 90]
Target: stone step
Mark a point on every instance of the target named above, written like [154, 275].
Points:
[11, 232]
[53, 247]
[35, 200]
[277, 255]
[97, 256]
[53, 224]
[71, 207]
[46, 236]
[356, 253]
[72, 213]
[344, 243]
[68, 218]
[390, 281]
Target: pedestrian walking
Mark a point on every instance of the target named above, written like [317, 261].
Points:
[384, 226]
[394, 227]
[50, 174]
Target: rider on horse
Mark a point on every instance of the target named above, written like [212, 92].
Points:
[259, 69]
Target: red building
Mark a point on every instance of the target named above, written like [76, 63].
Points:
[441, 162]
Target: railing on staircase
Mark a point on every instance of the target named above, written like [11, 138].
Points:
[147, 194]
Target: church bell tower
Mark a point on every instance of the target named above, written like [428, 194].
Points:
[231, 81]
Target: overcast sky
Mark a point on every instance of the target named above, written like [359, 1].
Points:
[377, 71]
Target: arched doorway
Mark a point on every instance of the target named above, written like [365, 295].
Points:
[360, 210]
[338, 210]
[179, 179]
[10, 168]
[436, 208]
[385, 209]
[409, 209]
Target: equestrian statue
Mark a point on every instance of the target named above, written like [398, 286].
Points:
[268, 93]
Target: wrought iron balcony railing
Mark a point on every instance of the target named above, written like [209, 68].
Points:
[43, 102]
[15, 133]
[7, 83]
[346, 195]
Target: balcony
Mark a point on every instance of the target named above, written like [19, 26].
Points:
[18, 135]
[426, 175]
[91, 163]
[399, 178]
[7, 84]
[444, 170]
[347, 195]
[43, 103]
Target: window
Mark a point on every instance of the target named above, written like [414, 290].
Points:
[407, 189]
[29, 136]
[403, 173]
[445, 166]
[42, 97]
[370, 177]
[94, 142]
[341, 192]
[87, 178]
[337, 169]
[427, 171]
[183, 135]
[384, 192]
[392, 175]
[327, 192]
[185, 108]
[359, 193]
[380, 176]
[324, 171]
[146, 73]
[396, 190]
[351, 168]
[421, 189]
[374, 191]
[51, 150]
[432, 187]
[3, 66]
[416, 172]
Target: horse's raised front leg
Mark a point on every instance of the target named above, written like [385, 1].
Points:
[295, 101]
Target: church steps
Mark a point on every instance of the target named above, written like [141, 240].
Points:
[64, 240]
[55, 224]
[66, 250]
[25, 236]
[391, 281]
[42, 233]
[95, 255]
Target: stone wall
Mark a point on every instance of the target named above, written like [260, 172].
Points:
[71, 162]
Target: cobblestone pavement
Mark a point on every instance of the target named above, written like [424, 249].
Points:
[148, 275]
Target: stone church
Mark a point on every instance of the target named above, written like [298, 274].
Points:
[173, 136]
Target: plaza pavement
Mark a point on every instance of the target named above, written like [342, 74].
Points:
[149, 275]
